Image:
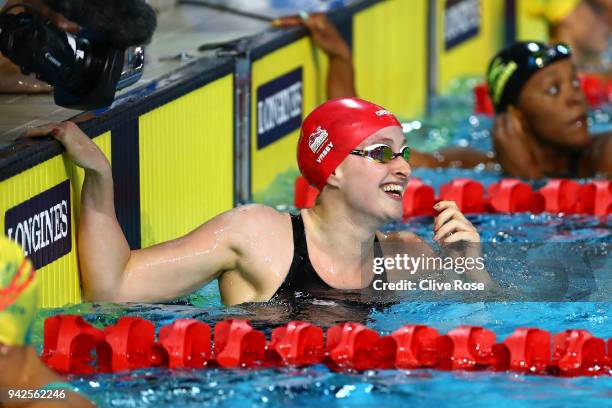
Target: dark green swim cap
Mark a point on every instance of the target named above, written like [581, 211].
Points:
[512, 67]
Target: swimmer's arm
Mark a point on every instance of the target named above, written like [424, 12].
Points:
[103, 249]
[181, 266]
[340, 76]
[451, 157]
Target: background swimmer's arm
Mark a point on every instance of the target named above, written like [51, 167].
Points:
[512, 146]
[340, 77]
[450, 157]
[599, 156]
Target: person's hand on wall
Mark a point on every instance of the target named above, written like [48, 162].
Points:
[12, 80]
[322, 31]
[80, 148]
[513, 147]
[340, 80]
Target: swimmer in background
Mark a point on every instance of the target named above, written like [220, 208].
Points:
[20, 367]
[540, 127]
[352, 150]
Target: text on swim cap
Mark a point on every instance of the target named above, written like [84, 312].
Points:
[324, 152]
[383, 112]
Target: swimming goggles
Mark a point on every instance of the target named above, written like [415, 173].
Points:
[381, 153]
[541, 57]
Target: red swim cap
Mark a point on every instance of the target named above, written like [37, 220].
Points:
[332, 130]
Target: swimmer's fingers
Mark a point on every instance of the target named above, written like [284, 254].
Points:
[287, 21]
[452, 227]
[469, 236]
[44, 130]
[80, 148]
[447, 210]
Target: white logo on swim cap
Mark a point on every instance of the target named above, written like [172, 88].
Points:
[316, 139]
[383, 112]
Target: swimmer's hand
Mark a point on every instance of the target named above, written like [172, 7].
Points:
[80, 148]
[450, 225]
[513, 147]
[341, 74]
[322, 31]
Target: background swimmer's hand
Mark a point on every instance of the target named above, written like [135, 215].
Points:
[80, 148]
[512, 146]
[322, 31]
[450, 225]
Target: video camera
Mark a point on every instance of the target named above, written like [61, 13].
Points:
[84, 70]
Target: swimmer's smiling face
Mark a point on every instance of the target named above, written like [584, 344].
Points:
[377, 188]
[554, 107]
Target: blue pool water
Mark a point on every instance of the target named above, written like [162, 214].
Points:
[318, 386]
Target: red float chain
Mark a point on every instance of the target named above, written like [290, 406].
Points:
[186, 343]
[506, 196]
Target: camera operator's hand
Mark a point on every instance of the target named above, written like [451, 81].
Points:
[12, 80]
[57, 19]
[80, 148]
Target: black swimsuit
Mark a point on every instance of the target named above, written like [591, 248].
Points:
[302, 278]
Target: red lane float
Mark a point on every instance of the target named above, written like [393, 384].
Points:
[482, 102]
[419, 199]
[186, 343]
[126, 345]
[576, 352]
[511, 196]
[183, 344]
[529, 350]
[468, 194]
[68, 341]
[304, 195]
[354, 346]
[420, 346]
[297, 343]
[472, 347]
[237, 344]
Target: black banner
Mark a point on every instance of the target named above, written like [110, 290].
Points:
[461, 21]
[279, 107]
[42, 225]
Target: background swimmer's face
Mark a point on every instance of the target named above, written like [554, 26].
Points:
[377, 188]
[553, 105]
